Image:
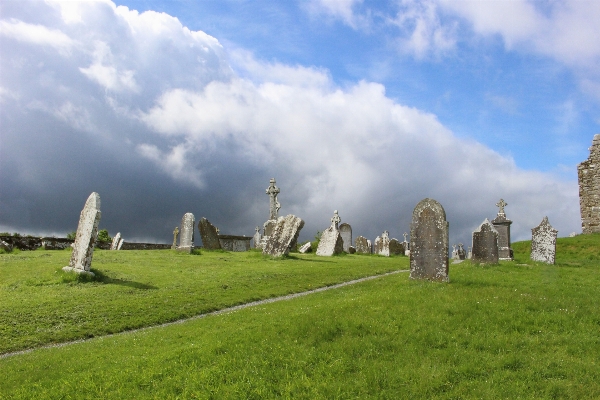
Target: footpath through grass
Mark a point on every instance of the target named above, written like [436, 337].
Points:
[40, 304]
[516, 330]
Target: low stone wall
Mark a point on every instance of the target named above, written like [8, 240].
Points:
[145, 246]
[234, 243]
[52, 243]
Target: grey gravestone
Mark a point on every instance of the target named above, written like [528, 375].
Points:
[502, 225]
[461, 251]
[209, 235]
[115, 242]
[274, 205]
[256, 239]
[396, 247]
[284, 236]
[331, 241]
[543, 242]
[186, 239]
[346, 233]
[361, 245]
[269, 226]
[370, 246]
[382, 244]
[175, 233]
[429, 242]
[306, 248]
[234, 243]
[485, 244]
[85, 239]
[351, 250]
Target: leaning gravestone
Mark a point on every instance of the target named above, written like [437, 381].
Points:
[209, 235]
[115, 242]
[543, 242]
[284, 236]
[85, 239]
[306, 247]
[382, 244]
[396, 247]
[186, 239]
[331, 241]
[429, 242]
[361, 245]
[485, 244]
[346, 233]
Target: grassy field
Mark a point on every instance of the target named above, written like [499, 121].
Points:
[516, 330]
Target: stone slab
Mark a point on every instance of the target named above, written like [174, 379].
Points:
[284, 236]
[209, 235]
[87, 234]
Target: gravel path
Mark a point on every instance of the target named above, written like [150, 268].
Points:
[222, 311]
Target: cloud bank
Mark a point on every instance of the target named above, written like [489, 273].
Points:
[161, 120]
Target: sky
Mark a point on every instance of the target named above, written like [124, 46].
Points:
[365, 107]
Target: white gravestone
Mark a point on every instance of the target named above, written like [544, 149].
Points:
[115, 242]
[186, 239]
[346, 233]
[87, 234]
[543, 242]
[331, 241]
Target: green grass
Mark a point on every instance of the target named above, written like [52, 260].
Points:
[41, 304]
[506, 331]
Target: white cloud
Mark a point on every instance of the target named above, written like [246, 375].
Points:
[339, 9]
[37, 34]
[103, 71]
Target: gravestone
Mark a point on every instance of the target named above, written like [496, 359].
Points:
[396, 247]
[429, 242]
[186, 239]
[543, 242]
[85, 239]
[121, 241]
[209, 235]
[370, 246]
[306, 248]
[382, 244]
[469, 253]
[461, 251]
[346, 233]
[362, 246]
[454, 252]
[331, 241]
[485, 244]
[502, 225]
[588, 173]
[175, 233]
[256, 239]
[115, 242]
[284, 236]
[351, 250]
[5, 246]
[406, 245]
[234, 242]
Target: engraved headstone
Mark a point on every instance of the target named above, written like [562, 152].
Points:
[305, 248]
[85, 239]
[429, 242]
[186, 239]
[543, 242]
[331, 241]
[115, 242]
[175, 234]
[396, 247]
[284, 236]
[362, 246]
[502, 225]
[346, 233]
[256, 239]
[382, 244]
[485, 244]
[209, 235]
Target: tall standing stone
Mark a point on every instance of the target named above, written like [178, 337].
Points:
[543, 242]
[485, 244]
[502, 225]
[382, 244]
[362, 246]
[87, 234]
[175, 233]
[256, 239]
[331, 241]
[284, 236]
[346, 233]
[186, 239]
[589, 189]
[209, 235]
[429, 242]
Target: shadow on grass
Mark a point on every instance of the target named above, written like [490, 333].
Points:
[293, 257]
[100, 277]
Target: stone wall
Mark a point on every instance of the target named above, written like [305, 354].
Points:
[52, 243]
[589, 189]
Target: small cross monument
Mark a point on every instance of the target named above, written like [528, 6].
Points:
[335, 220]
[501, 204]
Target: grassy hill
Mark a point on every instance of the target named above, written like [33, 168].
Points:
[515, 330]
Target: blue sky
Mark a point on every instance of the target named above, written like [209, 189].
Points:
[168, 107]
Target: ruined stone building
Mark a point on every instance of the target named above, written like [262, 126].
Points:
[589, 189]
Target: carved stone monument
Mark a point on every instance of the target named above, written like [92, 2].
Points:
[331, 241]
[234, 242]
[429, 242]
[346, 233]
[362, 246]
[502, 225]
[382, 244]
[589, 189]
[209, 235]
[543, 242]
[257, 238]
[115, 242]
[186, 239]
[85, 239]
[406, 245]
[284, 236]
[485, 244]
[461, 251]
[175, 234]
[396, 247]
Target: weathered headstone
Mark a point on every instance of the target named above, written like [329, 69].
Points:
[120, 244]
[115, 242]
[382, 244]
[5, 246]
[175, 233]
[331, 241]
[346, 233]
[256, 239]
[362, 246]
[306, 248]
[454, 252]
[396, 247]
[370, 246]
[469, 253]
[284, 236]
[186, 239]
[543, 242]
[461, 251]
[429, 242]
[502, 225]
[485, 244]
[274, 205]
[588, 173]
[87, 234]
[406, 245]
[209, 235]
